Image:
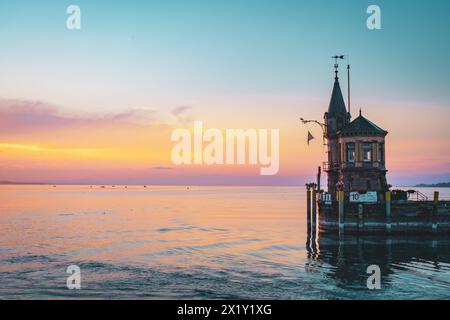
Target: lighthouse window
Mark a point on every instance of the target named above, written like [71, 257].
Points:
[350, 152]
[380, 152]
[367, 152]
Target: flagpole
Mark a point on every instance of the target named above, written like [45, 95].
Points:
[348, 84]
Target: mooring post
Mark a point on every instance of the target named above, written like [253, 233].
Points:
[308, 209]
[435, 211]
[314, 209]
[341, 211]
[388, 212]
[360, 217]
[319, 173]
[314, 220]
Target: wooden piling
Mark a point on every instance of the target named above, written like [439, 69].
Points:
[388, 212]
[308, 203]
[360, 217]
[319, 173]
[436, 196]
[314, 208]
[308, 211]
[341, 197]
[435, 211]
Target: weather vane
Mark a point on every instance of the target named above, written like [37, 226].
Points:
[336, 65]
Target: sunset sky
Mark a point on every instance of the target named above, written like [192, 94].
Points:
[98, 105]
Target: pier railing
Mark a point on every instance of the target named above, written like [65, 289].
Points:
[415, 195]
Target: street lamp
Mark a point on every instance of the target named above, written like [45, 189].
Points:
[322, 126]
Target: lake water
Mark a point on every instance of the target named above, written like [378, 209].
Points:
[199, 243]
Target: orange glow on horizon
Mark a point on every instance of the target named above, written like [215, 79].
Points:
[112, 148]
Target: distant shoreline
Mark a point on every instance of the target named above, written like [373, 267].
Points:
[11, 183]
[435, 185]
[22, 183]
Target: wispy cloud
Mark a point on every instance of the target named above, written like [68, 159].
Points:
[18, 115]
[23, 115]
[138, 115]
[183, 114]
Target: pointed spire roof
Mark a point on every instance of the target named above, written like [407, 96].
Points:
[362, 126]
[337, 104]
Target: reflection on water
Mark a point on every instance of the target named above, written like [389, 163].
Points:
[422, 263]
[209, 242]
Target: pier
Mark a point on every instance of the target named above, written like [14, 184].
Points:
[388, 216]
[358, 198]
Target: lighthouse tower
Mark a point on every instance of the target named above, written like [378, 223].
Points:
[356, 149]
[336, 119]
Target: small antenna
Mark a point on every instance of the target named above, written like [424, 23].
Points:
[348, 84]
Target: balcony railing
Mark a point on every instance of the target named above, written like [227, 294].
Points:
[327, 166]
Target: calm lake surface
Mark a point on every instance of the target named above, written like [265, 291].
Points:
[199, 243]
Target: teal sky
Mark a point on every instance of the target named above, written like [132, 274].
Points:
[236, 63]
[128, 50]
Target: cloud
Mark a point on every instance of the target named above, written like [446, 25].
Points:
[137, 115]
[183, 114]
[27, 116]
[16, 115]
